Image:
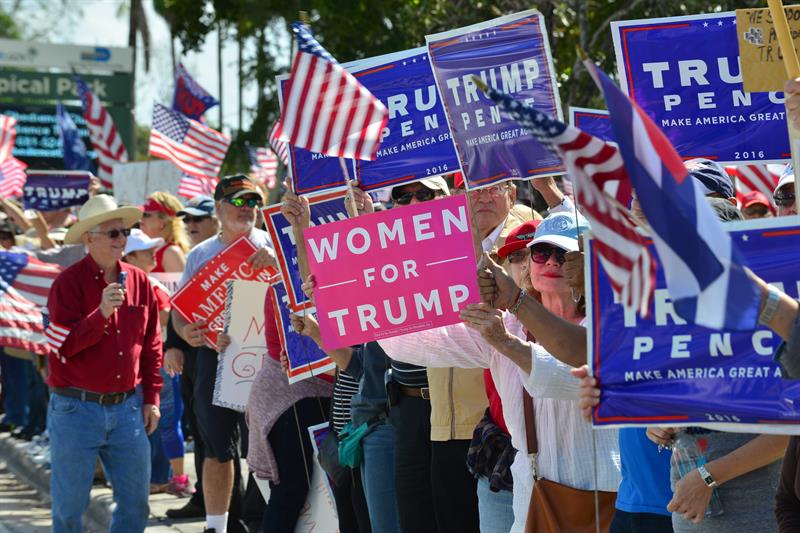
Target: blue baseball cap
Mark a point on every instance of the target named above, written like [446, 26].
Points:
[562, 230]
[199, 206]
[711, 177]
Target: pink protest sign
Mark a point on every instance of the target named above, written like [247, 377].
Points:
[393, 272]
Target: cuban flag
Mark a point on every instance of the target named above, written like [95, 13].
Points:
[702, 265]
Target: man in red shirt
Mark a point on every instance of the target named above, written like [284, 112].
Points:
[107, 341]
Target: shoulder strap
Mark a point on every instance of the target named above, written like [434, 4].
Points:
[530, 419]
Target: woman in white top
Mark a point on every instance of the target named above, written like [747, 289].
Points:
[495, 340]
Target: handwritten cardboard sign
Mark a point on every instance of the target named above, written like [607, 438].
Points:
[241, 361]
[203, 296]
[392, 272]
[759, 52]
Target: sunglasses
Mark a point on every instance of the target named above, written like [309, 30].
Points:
[540, 253]
[250, 201]
[188, 219]
[422, 195]
[493, 190]
[784, 200]
[518, 256]
[114, 233]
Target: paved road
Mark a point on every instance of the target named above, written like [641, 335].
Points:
[22, 509]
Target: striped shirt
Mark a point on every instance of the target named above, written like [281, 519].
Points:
[409, 375]
[344, 389]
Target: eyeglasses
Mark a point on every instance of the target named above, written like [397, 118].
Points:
[114, 233]
[518, 256]
[784, 200]
[422, 195]
[188, 219]
[540, 253]
[250, 201]
[493, 190]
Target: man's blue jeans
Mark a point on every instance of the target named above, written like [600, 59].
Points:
[79, 432]
[15, 374]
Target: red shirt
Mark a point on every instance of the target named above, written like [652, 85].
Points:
[495, 403]
[99, 354]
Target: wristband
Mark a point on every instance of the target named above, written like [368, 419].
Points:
[514, 308]
[770, 305]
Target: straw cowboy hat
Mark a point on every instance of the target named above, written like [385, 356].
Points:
[100, 208]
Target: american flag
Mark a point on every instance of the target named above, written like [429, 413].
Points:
[326, 109]
[24, 284]
[191, 186]
[593, 164]
[263, 164]
[8, 134]
[193, 147]
[754, 178]
[105, 140]
[12, 177]
[280, 147]
[702, 264]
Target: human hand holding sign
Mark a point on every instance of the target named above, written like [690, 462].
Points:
[497, 289]
[194, 333]
[589, 396]
[485, 320]
[262, 259]
[308, 287]
[306, 325]
[296, 210]
[362, 200]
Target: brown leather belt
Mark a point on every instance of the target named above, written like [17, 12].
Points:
[415, 392]
[109, 398]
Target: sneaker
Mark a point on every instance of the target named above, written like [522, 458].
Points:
[179, 486]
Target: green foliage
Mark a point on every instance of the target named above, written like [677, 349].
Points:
[355, 29]
[8, 28]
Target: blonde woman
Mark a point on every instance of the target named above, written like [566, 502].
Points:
[159, 220]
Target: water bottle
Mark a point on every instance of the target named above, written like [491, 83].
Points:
[687, 456]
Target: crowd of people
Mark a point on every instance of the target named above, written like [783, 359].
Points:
[478, 426]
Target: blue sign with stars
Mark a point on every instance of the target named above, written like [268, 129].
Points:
[684, 72]
[415, 143]
[661, 370]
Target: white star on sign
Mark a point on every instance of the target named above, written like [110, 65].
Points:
[404, 63]
[745, 237]
[705, 24]
[414, 60]
[719, 23]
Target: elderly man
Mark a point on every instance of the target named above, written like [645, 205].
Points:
[200, 219]
[237, 199]
[106, 338]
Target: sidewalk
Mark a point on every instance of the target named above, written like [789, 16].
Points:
[98, 514]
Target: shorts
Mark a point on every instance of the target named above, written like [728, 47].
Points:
[218, 427]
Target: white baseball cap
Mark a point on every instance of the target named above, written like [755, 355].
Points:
[787, 176]
[138, 241]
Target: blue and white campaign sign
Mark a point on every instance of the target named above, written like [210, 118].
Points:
[325, 207]
[512, 55]
[415, 143]
[306, 359]
[51, 190]
[684, 72]
[593, 121]
[663, 371]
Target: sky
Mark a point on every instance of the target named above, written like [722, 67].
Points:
[100, 24]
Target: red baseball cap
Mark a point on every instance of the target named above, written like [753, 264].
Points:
[754, 197]
[458, 180]
[518, 238]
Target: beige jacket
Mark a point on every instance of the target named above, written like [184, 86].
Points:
[458, 395]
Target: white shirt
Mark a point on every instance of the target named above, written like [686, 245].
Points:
[488, 243]
[565, 439]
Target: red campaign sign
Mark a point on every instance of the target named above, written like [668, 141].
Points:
[203, 297]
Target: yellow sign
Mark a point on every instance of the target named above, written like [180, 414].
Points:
[759, 52]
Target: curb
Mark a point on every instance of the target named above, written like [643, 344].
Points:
[98, 513]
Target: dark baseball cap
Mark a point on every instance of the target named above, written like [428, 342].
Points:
[199, 206]
[235, 186]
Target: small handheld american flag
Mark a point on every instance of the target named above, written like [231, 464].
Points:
[327, 110]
